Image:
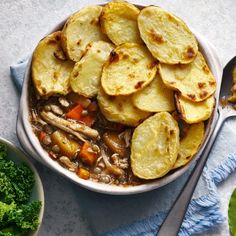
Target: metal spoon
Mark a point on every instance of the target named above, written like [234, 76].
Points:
[173, 221]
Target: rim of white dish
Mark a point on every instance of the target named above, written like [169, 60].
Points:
[213, 62]
[38, 183]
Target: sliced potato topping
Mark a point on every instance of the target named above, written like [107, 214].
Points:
[50, 73]
[130, 68]
[167, 37]
[120, 109]
[154, 147]
[119, 22]
[155, 97]
[194, 112]
[232, 98]
[81, 28]
[116, 71]
[194, 81]
[189, 144]
[85, 77]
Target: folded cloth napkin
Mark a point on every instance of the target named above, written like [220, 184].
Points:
[142, 214]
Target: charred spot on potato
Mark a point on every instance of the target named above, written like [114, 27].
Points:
[59, 54]
[120, 107]
[171, 132]
[192, 96]
[51, 41]
[203, 94]
[76, 74]
[131, 76]
[58, 37]
[94, 21]
[157, 38]
[114, 57]
[125, 56]
[44, 91]
[139, 85]
[152, 65]
[212, 83]
[171, 18]
[135, 60]
[190, 52]
[78, 42]
[172, 83]
[205, 69]
[201, 85]
[55, 75]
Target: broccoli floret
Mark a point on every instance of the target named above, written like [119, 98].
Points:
[7, 193]
[21, 177]
[3, 151]
[5, 209]
[13, 231]
[26, 216]
[16, 183]
[15, 220]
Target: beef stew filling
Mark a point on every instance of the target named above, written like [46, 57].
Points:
[74, 133]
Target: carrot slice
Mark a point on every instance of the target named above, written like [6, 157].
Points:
[41, 136]
[87, 120]
[87, 155]
[83, 173]
[75, 113]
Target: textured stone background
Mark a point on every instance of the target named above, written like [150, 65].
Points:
[23, 23]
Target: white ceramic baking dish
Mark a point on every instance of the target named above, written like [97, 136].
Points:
[30, 142]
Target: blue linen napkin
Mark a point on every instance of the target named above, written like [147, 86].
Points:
[142, 214]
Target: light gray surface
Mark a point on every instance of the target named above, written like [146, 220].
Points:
[23, 23]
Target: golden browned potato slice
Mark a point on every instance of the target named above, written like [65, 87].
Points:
[50, 69]
[85, 77]
[119, 22]
[189, 144]
[130, 68]
[234, 75]
[154, 146]
[194, 112]
[167, 37]
[155, 97]
[81, 28]
[120, 109]
[194, 81]
[232, 98]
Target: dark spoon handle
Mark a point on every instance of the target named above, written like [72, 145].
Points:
[173, 221]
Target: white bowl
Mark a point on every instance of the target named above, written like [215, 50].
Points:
[16, 155]
[31, 143]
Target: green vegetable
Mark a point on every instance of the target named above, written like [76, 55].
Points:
[232, 213]
[3, 151]
[17, 217]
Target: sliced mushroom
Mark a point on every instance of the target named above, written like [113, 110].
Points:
[116, 145]
[61, 126]
[36, 118]
[110, 167]
[120, 162]
[68, 163]
[77, 129]
[126, 136]
[56, 109]
[63, 102]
